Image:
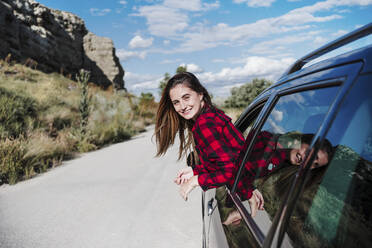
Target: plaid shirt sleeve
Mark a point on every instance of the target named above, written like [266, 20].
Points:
[218, 145]
[199, 169]
[264, 159]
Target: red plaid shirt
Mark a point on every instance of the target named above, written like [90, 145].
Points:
[218, 143]
[267, 156]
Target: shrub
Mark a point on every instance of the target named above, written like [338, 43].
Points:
[16, 113]
[242, 96]
[147, 106]
[11, 160]
[82, 79]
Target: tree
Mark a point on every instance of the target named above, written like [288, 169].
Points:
[163, 83]
[181, 69]
[242, 96]
[166, 78]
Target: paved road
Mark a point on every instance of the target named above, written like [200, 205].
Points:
[120, 196]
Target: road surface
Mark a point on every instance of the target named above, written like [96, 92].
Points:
[119, 196]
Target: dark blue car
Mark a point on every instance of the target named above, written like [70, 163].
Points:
[308, 204]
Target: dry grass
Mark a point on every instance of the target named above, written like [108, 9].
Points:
[233, 113]
[54, 133]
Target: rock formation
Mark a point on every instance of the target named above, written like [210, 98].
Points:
[58, 41]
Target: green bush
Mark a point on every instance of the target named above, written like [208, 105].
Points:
[116, 130]
[16, 113]
[11, 160]
[242, 96]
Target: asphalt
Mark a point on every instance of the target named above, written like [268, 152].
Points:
[119, 196]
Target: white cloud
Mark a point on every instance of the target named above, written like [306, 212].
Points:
[191, 5]
[240, 1]
[340, 33]
[321, 40]
[209, 6]
[166, 42]
[163, 21]
[99, 12]
[255, 67]
[223, 34]
[280, 45]
[139, 42]
[124, 55]
[256, 3]
[137, 83]
[193, 68]
[170, 18]
[275, 127]
[122, 2]
[277, 115]
[329, 4]
[276, 45]
[342, 11]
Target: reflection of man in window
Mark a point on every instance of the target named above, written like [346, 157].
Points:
[274, 151]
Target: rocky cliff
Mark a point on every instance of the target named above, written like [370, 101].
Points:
[57, 41]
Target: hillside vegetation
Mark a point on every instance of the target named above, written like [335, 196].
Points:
[47, 118]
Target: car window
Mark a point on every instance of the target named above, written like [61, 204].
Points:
[335, 208]
[273, 161]
[247, 119]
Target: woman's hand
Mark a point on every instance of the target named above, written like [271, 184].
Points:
[256, 202]
[184, 175]
[188, 186]
[234, 218]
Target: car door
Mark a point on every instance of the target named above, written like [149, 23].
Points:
[301, 106]
[213, 230]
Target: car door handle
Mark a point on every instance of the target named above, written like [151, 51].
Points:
[210, 206]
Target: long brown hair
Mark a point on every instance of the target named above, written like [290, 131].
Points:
[169, 122]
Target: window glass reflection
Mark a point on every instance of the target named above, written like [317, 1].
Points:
[336, 211]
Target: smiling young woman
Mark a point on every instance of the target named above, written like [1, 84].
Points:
[186, 109]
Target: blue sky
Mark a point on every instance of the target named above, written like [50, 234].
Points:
[225, 43]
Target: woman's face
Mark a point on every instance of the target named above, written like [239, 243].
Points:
[298, 155]
[186, 102]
